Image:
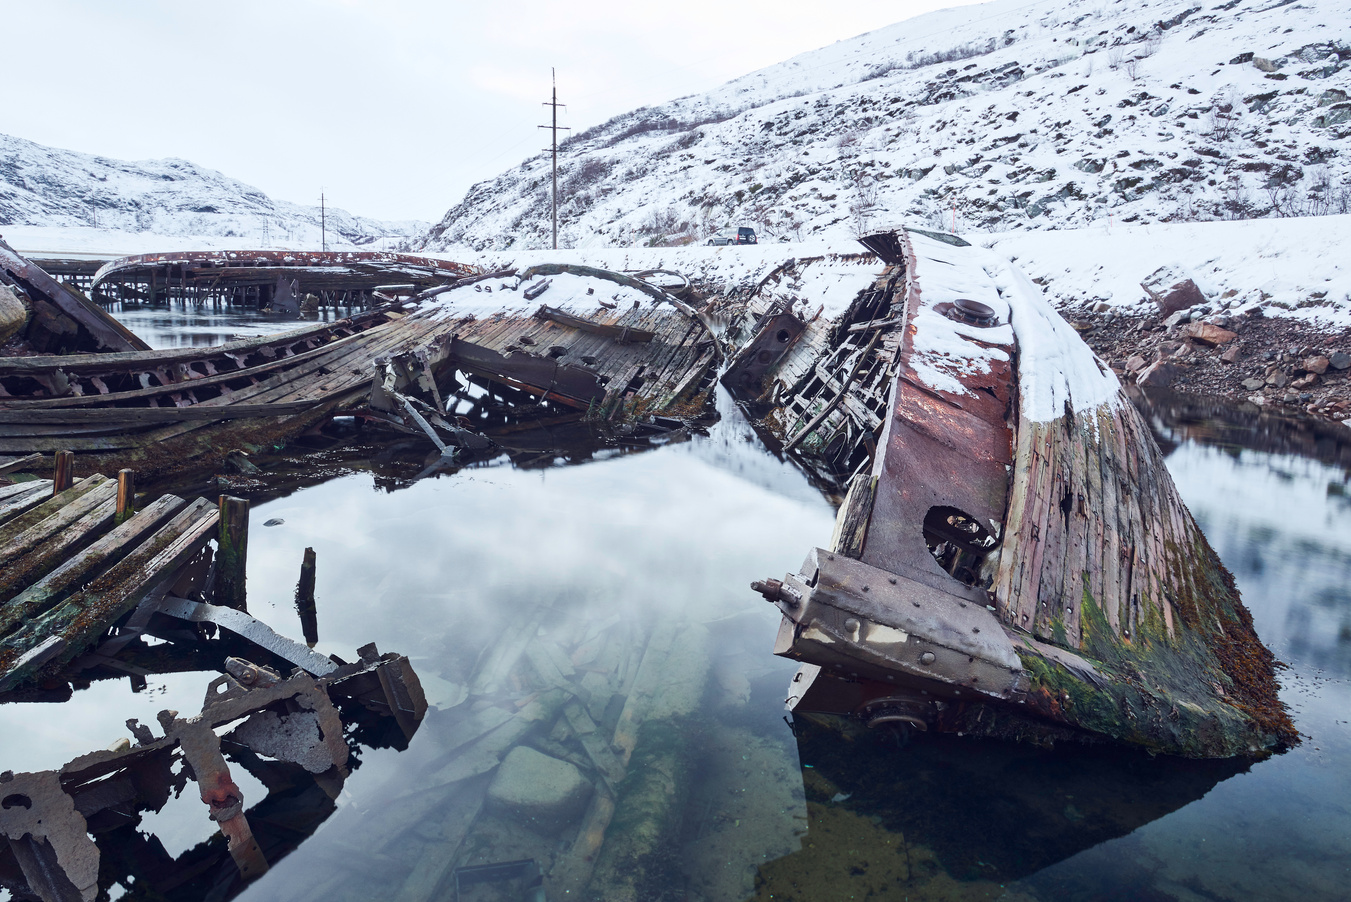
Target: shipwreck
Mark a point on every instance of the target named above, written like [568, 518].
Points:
[454, 363]
[1011, 557]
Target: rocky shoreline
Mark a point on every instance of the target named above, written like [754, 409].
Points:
[1277, 363]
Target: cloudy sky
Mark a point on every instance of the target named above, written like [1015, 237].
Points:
[391, 107]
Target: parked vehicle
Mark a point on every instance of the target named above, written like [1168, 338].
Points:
[742, 235]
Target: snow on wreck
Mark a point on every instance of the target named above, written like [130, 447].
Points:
[1011, 557]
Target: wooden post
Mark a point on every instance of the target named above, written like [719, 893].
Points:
[309, 617]
[232, 557]
[126, 495]
[64, 472]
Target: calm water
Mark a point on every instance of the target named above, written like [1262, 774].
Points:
[177, 326]
[618, 548]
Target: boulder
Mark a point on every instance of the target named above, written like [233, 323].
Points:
[1317, 364]
[543, 792]
[1278, 380]
[13, 314]
[1135, 364]
[1340, 360]
[1208, 334]
[1158, 375]
[1172, 290]
[1180, 318]
[1253, 384]
[1231, 354]
[1264, 64]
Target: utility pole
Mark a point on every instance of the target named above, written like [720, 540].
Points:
[323, 224]
[554, 129]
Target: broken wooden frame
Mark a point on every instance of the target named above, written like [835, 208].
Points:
[86, 581]
[270, 279]
[165, 411]
[817, 388]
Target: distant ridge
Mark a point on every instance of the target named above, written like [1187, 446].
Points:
[47, 186]
[1007, 115]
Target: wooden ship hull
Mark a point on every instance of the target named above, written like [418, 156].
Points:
[455, 363]
[1011, 557]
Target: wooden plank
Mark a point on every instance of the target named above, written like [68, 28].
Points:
[132, 417]
[16, 525]
[18, 489]
[620, 334]
[79, 568]
[26, 564]
[1108, 536]
[32, 494]
[1016, 535]
[84, 616]
[18, 464]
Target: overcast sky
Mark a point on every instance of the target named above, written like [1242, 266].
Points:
[391, 107]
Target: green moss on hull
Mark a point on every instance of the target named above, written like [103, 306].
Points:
[1167, 692]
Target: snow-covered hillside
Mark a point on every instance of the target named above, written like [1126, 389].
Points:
[48, 187]
[1007, 115]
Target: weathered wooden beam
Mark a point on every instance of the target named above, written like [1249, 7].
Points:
[18, 464]
[34, 514]
[126, 495]
[232, 557]
[63, 471]
[621, 334]
[309, 618]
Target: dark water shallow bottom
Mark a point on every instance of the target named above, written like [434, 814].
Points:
[447, 569]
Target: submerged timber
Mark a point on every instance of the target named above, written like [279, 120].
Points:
[1011, 557]
[558, 341]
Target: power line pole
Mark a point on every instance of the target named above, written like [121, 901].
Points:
[323, 224]
[554, 128]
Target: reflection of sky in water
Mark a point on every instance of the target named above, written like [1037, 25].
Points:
[1283, 830]
[446, 568]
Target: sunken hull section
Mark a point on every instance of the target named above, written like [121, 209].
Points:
[1015, 560]
[595, 344]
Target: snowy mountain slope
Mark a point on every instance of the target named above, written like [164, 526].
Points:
[1012, 114]
[1296, 269]
[46, 186]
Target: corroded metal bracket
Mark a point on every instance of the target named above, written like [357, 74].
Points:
[860, 621]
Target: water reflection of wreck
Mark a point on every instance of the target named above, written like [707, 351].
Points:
[1011, 557]
[979, 812]
[92, 588]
